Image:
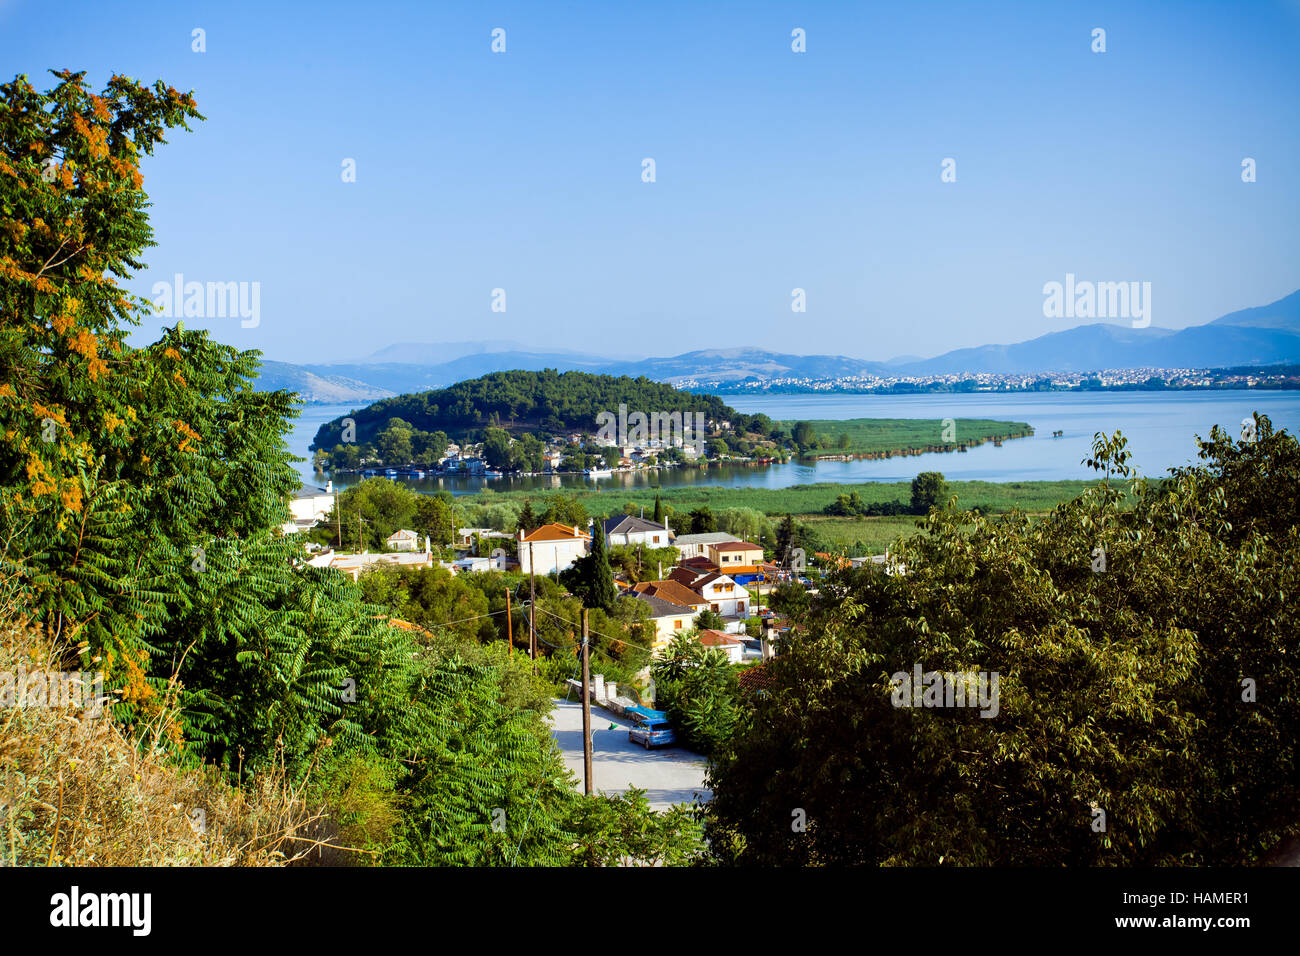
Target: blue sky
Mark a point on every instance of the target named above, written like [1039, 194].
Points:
[775, 170]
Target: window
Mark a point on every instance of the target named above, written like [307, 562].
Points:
[714, 607]
[677, 625]
[740, 607]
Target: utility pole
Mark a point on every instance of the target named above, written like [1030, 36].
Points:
[532, 607]
[586, 709]
[510, 631]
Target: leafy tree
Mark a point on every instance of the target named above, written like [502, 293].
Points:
[622, 830]
[701, 521]
[1121, 685]
[787, 537]
[748, 524]
[394, 443]
[428, 448]
[638, 563]
[698, 689]
[527, 454]
[527, 521]
[710, 620]
[928, 491]
[496, 448]
[790, 599]
[658, 516]
[435, 518]
[590, 577]
[142, 494]
[565, 509]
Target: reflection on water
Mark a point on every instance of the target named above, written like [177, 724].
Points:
[1160, 427]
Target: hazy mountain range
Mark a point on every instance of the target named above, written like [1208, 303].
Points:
[1264, 335]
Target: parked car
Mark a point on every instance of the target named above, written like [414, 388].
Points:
[652, 728]
[652, 733]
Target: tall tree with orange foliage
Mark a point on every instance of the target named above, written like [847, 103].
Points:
[141, 490]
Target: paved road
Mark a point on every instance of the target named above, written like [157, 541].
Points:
[668, 775]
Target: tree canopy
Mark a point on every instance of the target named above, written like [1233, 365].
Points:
[1147, 667]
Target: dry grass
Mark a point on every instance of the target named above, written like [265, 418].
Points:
[76, 790]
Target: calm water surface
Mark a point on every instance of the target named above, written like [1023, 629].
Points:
[1160, 427]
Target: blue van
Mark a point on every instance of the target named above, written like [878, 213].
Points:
[652, 728]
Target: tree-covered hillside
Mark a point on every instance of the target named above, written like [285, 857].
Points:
[519, 401]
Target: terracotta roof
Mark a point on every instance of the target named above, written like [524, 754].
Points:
[711, 638]
[555, 532]
[703, 564]
[661, 608]
[684, 576]
[736, 546]
[705, 580]
[673, 591]
[756, 678]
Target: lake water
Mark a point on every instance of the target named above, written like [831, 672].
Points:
[1160, 427]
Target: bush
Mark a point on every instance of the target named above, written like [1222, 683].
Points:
[83, 791]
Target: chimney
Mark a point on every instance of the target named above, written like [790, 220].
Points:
[329, 486]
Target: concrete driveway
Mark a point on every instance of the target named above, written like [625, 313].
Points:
[668, 775]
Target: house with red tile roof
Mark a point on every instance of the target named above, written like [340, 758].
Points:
[726, 643]
[733, 554]
[551, 548]
[673, 591]
[723, 595]
[669, 619]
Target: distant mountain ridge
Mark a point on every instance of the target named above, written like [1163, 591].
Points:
[1262, 335]
[317, 389]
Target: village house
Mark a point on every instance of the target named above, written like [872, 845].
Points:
[480, 564]
[633, 530]
[354, 565]
[720, 593]
[669, 619]
[734, 554]
[696, 545]
[740, 559]
[487, 539]
[403, 539]
[729, 645]
[551, 548]
[674, 591]
[307, 506]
